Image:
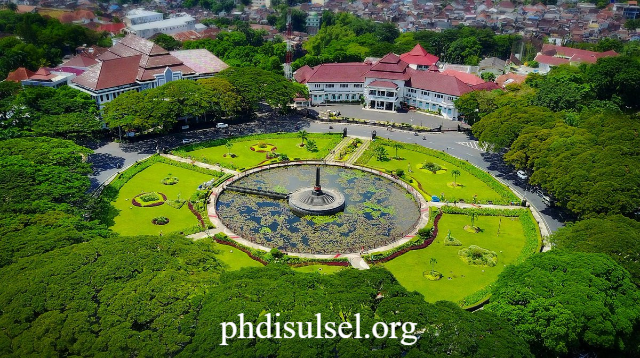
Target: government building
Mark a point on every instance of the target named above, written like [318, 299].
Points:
[412, 79]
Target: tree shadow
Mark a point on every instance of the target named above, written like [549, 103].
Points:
[104, 161]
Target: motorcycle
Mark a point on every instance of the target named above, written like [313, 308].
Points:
[424, 137]
[415, 134]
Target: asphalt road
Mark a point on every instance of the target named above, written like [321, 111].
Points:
[110, 158]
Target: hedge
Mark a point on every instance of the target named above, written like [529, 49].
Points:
[266, 257]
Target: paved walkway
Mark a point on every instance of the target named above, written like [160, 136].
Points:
[199, 164]
[365, 144]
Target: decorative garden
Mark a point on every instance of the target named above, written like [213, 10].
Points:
[456, 260]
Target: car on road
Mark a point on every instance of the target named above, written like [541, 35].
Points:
[522, 175]
[186, 140]
[222, 125]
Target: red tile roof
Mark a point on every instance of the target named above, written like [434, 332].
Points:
[574, 54]
[42, 75]
[110, 73]
[419, 56]
[146, 74]
[438, 82]
[464, 77]
[509, 78]
[202, 61]
[485, 86]
[20, 74]
[384, 84]
[112, 27]
[390, 67]
[333, 72]
[550, 60]
[79, 61]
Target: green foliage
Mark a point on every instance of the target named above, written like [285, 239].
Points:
[562, 303]
[381, 154]
[150, 288]
[476, 255]
[488, 76]
[616, 236]
[167, 42]
[39, 41]
[311, 145]
[431, 166]
[149, 197]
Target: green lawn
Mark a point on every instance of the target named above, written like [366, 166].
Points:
[246, 158]
[133, 220]
[322, 269]
[465, 279]
[439, 183]
[233, 258]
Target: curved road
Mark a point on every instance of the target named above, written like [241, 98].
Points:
[109, 158]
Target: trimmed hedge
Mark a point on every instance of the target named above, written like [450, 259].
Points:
[266, 257]
[425, 238]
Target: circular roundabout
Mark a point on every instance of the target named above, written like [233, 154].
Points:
[317, 209]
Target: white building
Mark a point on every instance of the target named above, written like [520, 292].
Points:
[141, 16]
[136, 64]
[387, 84]
[168, 26]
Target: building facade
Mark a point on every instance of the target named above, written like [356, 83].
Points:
[136, 64]
[388, 84]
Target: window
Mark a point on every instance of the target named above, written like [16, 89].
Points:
[449, 98]
[329, 85]
[372, 92]
[344, 85]
[317, 85]
[439, 96]
[357, 85]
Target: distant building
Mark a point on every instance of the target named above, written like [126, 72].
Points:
[419, 59]
[313, 23]
[136, 64]
[168, 26]
[141, 16]
[552, 55]
[43, 77]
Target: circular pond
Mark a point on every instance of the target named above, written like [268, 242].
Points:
[377, 211]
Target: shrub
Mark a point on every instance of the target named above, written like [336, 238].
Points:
[311, 145]
[149, 197]
[170, 180]
[476, 255]
[451, 241]
[160, 220]
[431, 166]
[399, 172]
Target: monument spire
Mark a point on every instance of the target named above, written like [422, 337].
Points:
[317, 187]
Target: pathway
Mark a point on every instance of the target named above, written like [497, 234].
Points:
[199, 164]
[354, 156]
[332, 154]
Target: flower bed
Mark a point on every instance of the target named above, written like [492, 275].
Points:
[170, 180]
[263, 147]
[147, 200]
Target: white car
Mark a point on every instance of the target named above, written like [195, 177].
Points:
[185, 141]
[222, 125]
[522, 175]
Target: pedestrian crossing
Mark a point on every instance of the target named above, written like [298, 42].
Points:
[474, 144]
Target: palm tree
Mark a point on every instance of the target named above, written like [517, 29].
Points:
[229, 145]
[455, 174]
[473, 215]
[433, 263]
[303, 135]
[396, 146]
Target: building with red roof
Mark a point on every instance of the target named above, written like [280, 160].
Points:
[113, 28]
[419, 59]
[42, 77]
[19, 75]
[138, 64]
[553, 55]
[387, 84]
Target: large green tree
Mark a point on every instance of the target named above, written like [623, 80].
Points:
[563, 303]
[616, 236]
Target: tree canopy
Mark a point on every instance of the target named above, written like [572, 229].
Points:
[564, 303]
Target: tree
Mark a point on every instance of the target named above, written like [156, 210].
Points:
[124, 112]
[74, 126]
[167, 42]
[616, 236]
[303, 135]
[616, 77]
[229, 145]
[222, 95]
[488, 76]
[455, 173]
[396, 146]
[500, 128]
[381, 153]
[563, 303]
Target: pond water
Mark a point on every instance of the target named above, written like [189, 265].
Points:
[377, 211]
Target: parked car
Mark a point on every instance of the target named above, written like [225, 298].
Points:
[186, 140]
[222, 125]
[522, 175]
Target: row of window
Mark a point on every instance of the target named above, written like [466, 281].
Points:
[335, 97]
[332, 85]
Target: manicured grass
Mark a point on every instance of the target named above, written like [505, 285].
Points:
[441, 181]
[322, 269]
[465, 279]
[246, 158]
[133, 220]
[233, 258]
